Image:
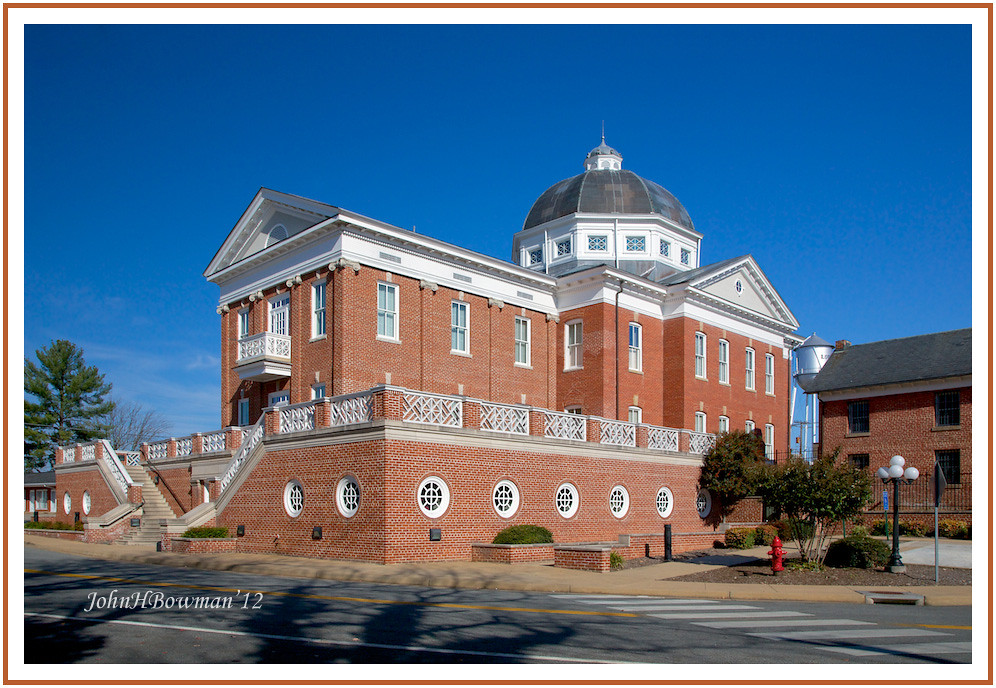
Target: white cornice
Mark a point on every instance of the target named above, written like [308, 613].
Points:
[896, 388]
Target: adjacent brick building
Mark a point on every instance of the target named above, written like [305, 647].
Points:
[388, 396]
[911, 397]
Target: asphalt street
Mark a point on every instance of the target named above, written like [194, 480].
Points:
[80, 610]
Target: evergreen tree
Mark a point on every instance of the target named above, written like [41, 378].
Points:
[68, 402]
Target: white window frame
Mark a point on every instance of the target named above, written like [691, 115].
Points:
[86, 502]
[573, 408]
[318, 309]
[457, 329]
[749, 369]
[387, 318]
[635, 414]
[67, 503]
[769, 374]
[724, 362]
[281, 398]
[569, 490]
[574, 352]
[506, 492]
[348, 509]
[560, 244]
[666, 248]
[664, 502]
[292, 504]
[279, 314]
[749, 426]
[40, 500]
[444, 497]
[598, 238]
[636, 350]
[703, 502]
[769, 441]
[243, 412]
[276, 233]
[619, 501]
[523, 345]
[635, 239]
[686, 257]
[534, 256]
[318, 390]
[724, 424]
[700, 421]
[700, 355]
[244, 324]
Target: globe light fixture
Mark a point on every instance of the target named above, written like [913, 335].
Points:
[895, 473]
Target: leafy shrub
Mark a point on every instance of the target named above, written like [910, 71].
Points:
[206, 532]
[857, 552]
[955, 529]
[523, 535]
[765, 534]
[912, 529]
[54, 525]
[859, 531]
[879, 527]
[616, 561]
[740, 538]
[793, 529]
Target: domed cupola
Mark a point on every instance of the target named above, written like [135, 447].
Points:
[607, 215]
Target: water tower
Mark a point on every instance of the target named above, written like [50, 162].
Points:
[810, 357]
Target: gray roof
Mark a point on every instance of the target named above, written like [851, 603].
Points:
[42, 478]
[893, 361]
[690, 275]
[606, 191]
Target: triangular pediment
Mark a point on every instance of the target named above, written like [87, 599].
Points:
[741, 284]
[270, 219]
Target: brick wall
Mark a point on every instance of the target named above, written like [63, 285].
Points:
[183, 545]
[512, 554]
[76, 482]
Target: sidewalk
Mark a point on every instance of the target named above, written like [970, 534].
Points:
[645, 580]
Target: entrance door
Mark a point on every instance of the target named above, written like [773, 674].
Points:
[279, 308]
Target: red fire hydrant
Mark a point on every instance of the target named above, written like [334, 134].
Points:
[777, 554]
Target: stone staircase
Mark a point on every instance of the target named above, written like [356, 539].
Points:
[155, 509]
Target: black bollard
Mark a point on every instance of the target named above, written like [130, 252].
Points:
[667, 543]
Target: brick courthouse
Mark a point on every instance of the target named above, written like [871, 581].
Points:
[389, 397]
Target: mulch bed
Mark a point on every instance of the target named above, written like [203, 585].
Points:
[759, 571]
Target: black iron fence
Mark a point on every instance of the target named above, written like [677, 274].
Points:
[918, 496]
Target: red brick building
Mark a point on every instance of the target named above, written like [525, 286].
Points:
[389, 396]
[911, 397]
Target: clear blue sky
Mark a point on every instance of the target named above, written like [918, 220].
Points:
[839, 156]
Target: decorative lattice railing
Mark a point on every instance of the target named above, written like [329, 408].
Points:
[662, 439]
[184, 446]
[213, 442]
[297, 417]
[252, 437]
[133, 458]
[700, 442]
[350, 410]
[265, 344]
[618, 433]
[159, 450]
[432, 409]
[87, 453]
[110, 459]
[68, 454]
[502, 418]
[565, 426]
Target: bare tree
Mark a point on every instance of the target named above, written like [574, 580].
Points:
[131, 424]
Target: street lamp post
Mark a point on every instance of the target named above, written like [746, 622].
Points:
[895, 474]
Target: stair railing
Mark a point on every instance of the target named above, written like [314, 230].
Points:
[162, 481]
[118, 472]
[249, 441]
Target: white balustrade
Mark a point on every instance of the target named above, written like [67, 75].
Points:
[350, 410]
[88, 453]
[662, 439]
[214, 442]
[700, 442]
[133, 458]
[502, 418]
[297, 417]
[265, 344]
[565, 426]
[432, 409]
[159, 450]
[252, 436]
[68, 454]
[618, 433]
[113, 463]
[184, 446]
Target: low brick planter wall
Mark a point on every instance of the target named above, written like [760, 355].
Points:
[512, 554]
[582, 558]
[75, 535]
[184, 545]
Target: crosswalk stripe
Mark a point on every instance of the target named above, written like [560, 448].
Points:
[909, 649]
[726, 615]
[588, 598]
[679, 607]
[847, 634]
[762, 623]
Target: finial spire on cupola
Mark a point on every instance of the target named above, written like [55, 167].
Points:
[603, 157]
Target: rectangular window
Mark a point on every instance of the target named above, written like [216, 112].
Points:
[41, 500]
[769, 374]
[859, 460]
[243, 323]
[318, 391]
[636, 243]
[666, 248]
[574, 334]
[387, 310]
[318, 309]
[279, 312]
[280, 398]
[576, 410]
[950, 462]
[598, 243]
[635, 414]
[686, 256]
[243, 412]
[947, 408]
[635, 347]
[459, 328]
[700, 355]
[536, 256]
[749, 426]
[564, 247]
[522, 352]
[769, 441]
[749, 368]
[857, 416]
[724, 424]
[700, 421]
[724, 361]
